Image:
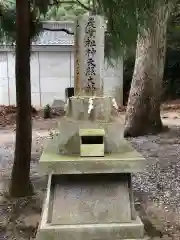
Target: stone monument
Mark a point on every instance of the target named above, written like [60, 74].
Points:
[89, 163]
[89, 55]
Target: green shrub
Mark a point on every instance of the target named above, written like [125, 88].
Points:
[47, 111]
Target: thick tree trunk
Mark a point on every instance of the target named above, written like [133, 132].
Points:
[143, 110]
[20, 182]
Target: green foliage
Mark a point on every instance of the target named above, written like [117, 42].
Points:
[42, 5]
[65, 12]
[40, 10]
[174, 29]
[8, 19]
[47, 111]
[125, 17]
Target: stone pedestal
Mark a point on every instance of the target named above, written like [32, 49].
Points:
[89, 196]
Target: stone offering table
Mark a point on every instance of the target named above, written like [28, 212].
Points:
[89, 163]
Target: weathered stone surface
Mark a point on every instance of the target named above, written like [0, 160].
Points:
[69, 140]
[87, 203]
[58, 107]
[103, 109]
[71, 227]
[84, 199]
[127, 160]
[91, 142]
[89, 54]
[128, 231]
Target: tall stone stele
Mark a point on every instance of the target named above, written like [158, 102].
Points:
[89, 102]
[89, 55]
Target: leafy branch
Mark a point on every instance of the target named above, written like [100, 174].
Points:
[77, 2]
[84, 6]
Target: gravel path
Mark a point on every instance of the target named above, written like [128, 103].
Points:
[158, 187]
[157, 190]
[161, 179]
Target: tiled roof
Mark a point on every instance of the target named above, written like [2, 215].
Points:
[54, 38]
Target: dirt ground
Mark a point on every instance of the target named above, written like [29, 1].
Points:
[157, 189]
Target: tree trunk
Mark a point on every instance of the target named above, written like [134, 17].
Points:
[143, 109]
[20, 182]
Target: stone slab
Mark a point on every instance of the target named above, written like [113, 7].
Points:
[127, 160]
[86, 202]
[58, 103]
[98, 231]
[92, 150]
[114, 231]
[58, 107]
[91, 132]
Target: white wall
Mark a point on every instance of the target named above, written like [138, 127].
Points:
[51, 73]
[113, 80]
[54, 75]
[4, 88]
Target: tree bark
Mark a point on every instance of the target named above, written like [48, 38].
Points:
[143, 109]
[20, 180]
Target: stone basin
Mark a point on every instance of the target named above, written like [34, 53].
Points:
[88, 207]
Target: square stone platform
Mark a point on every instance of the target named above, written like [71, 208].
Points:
[88, 207]
[127, 160]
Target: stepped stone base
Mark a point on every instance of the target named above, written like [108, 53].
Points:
[88, 209]
[90, 197]
[127, 160]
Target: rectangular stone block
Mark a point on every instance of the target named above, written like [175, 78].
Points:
[91, 142]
